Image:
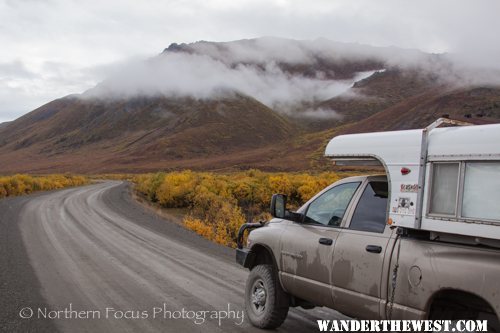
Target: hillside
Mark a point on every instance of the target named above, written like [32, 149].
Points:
[238, 105]
[141, 131]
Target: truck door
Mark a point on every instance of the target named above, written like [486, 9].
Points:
[307, 247]
[358, 261]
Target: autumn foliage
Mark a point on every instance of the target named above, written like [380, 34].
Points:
[25, 184]
[220, 203]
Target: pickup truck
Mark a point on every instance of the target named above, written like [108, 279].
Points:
[348, 248]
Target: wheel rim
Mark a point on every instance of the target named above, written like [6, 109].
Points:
[258, 296]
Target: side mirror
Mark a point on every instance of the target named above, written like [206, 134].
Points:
[278, 205]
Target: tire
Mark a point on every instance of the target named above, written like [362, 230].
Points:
[266, 303]
[455, 312]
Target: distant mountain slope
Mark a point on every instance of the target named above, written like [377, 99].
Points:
[155, 129]
[70, 123]
[378, 92]
[265, 103]
[4, 124]
[479, 105]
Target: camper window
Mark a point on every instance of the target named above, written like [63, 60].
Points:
[444, 188]
[467, 190]
[481, 197]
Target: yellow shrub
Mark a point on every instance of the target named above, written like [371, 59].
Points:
[221, 217]
[148, 184]
[24, 184]
[281, 184]
[199, 227]
[175, 188]
[220, 203]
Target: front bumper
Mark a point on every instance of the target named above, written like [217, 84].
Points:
[244, 257]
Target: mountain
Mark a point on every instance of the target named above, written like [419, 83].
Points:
[4, 124]
[119, 134]
[267, 103]
[478, 105]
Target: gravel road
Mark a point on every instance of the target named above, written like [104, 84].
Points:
[96, 261]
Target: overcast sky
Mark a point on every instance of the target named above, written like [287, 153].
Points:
[52, 48]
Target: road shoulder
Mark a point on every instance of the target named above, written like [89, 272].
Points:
[121, 199]
[19, 285]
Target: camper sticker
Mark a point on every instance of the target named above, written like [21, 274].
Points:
[409, 188]
[404, 206]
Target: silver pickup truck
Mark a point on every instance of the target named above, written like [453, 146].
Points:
[348, 248]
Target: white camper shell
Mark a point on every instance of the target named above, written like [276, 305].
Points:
[443, 180]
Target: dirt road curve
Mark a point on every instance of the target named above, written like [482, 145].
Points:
[93, 249]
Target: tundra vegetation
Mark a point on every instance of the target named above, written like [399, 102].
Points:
[21, 184]
[219, 204]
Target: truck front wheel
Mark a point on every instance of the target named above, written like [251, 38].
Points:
[266, 303]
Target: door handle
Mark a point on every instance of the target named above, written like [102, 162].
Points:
[374, 248]
[326, 241]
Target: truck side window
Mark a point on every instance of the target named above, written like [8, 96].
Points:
[444, 188]
[329, 207]
[371, 211]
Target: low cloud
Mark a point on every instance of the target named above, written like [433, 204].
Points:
[286, 75]
[320, 113]
[254, 68]
[289, 76]
[201, 76]
[265, 49]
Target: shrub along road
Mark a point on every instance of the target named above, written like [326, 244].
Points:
[94, 250]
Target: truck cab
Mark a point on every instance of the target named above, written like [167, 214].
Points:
[313, 250]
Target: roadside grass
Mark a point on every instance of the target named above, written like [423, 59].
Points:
[218, 204]
[22, 184]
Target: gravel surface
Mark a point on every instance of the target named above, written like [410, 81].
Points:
[92, 252]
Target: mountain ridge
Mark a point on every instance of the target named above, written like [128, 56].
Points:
[238, 105]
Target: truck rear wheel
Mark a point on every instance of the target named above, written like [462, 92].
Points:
[462, 306]
[266, 303]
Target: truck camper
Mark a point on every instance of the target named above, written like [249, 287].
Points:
[420, 242]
